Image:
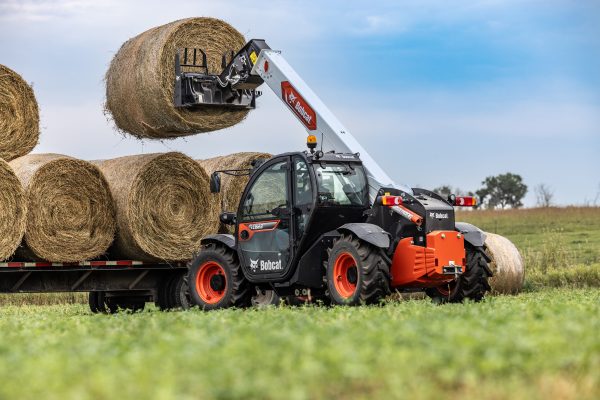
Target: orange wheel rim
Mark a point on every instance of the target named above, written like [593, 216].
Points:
[345, 275]
[211, 282]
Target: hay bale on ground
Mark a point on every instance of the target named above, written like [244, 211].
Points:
[232, 187]
[14, 211]
[507, 265]
[19, 116]
[70, 213]
[141, 77]
[163, 206]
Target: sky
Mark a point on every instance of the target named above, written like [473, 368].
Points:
[437, 91]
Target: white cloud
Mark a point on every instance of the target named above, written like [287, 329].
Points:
[44, 10]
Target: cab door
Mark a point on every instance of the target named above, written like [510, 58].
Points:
[264, 230]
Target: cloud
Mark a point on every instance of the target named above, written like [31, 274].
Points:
[44, 10]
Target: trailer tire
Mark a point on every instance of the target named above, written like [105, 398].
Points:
[178, 294]
[472, 284]
[215, 279]
[161, 299]
[356, 272]
[93, 302]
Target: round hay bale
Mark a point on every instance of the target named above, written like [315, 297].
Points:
[507, 265]
[14, 211]
[19, 116]
[232, 187]
[141, 77]
[70, 212]
[163, 206]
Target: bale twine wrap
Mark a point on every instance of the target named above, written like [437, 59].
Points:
[70, 212]
[163, 206]
[232, 187]
[19, 116]
[14, 211]
[507, 265]
[141, 77]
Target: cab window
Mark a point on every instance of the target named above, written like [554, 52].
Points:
[268, 193]
[341, 184]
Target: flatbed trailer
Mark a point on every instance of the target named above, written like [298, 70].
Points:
[112, 284]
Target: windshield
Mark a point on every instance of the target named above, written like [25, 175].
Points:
[341, 184]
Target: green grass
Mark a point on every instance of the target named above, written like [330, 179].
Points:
[536, 345]
[560, 246]
[556, 232]
[543, 343]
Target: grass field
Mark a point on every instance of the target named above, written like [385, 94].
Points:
[536, 345]
[560, 246]
[543, 343]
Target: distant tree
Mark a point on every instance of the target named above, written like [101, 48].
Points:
[502, 190]
[544, 195]
[445, 190]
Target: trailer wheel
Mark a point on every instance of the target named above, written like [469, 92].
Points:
[356, 272]
[115, 304]
[178, 293]
[94, 303]
[162, 294]
[100, 304]
[472, 284]
[216, 280]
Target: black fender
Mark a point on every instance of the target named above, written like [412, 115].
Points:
[221, 238]
[474, 236]
[370, 233]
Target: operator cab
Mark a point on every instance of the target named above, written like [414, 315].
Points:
[289, 203]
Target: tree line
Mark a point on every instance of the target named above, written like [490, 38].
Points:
[503, 191]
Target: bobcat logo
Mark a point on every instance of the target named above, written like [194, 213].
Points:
[253, 265]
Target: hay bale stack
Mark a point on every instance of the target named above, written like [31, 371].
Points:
[163, 206]
[507, 265]
[141, 77]
[232, 187]
[70, 213]
[14, 211]
[19, 116]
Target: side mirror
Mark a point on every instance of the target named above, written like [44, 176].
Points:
[228, 218]
[215, 182]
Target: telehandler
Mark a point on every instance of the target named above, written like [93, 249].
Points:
[324, 224]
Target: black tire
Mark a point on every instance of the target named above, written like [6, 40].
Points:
[226, 287]
[264, 298]
[100, 304]
[366, 278]
[472, 284]
[179, 293]
[162, 294]
[93, 302]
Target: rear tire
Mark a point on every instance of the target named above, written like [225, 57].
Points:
[356, 272]
[472, 284]
[216, 280]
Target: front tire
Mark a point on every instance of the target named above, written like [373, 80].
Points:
[216, 280]
[356, 272]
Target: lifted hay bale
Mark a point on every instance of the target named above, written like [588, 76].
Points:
[19, 116]
[163, 206]
[141, 77]
[70, 213]
[14, 211]
[232, 187]
[507, 265]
